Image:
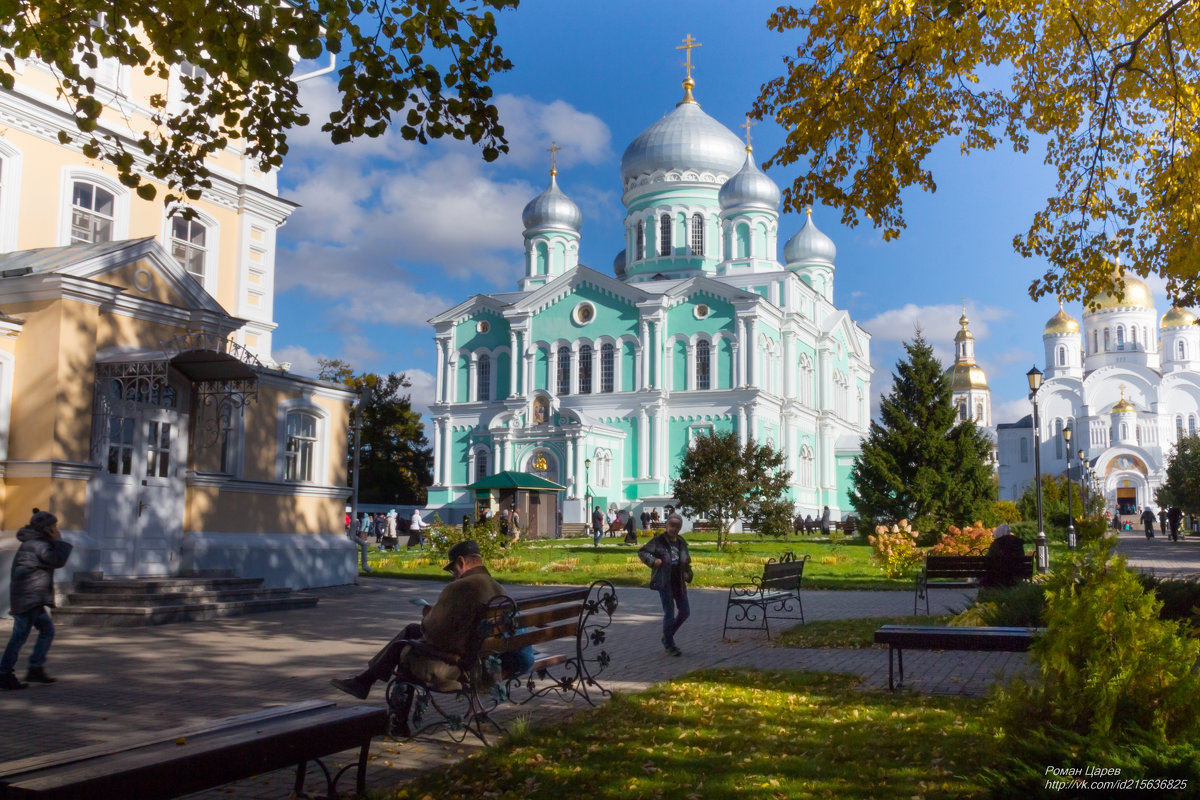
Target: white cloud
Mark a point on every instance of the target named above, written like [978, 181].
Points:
[302, 360]
[531, 126]
[1007, 411]
[421, 390]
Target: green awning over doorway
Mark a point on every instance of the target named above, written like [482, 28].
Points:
[511, 479]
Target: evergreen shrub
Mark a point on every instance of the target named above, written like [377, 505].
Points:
[1117, 686]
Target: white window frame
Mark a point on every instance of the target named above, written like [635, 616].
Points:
[212, 246]
[11, 160]
[235, 447]
[71, 175]
[320, 474]
[8, 365]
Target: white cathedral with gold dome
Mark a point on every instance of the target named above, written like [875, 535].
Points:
[599, 381]
[1128, 385]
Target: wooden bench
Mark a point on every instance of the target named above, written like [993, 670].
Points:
[775, 595]
[578, 615]
[188, 759]
[941, 637]
[956, 572]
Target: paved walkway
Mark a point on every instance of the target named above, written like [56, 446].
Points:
[116, 681]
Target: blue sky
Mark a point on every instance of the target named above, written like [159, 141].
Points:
[390, 233]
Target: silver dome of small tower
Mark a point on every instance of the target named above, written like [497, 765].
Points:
[749, 189]
[809, 246]
[552, 210]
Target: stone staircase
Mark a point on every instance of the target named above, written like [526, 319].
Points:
[97, 601]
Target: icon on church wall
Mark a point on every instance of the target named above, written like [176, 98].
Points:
[584, 313]
[541, 464]
[541, 410]
[483, 326]
[701, 311]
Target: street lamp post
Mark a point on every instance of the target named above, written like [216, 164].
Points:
[1070, 512]
[587, 498]
[1041, 549]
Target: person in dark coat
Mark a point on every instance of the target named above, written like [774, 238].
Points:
[1174, 517]
[825, 526]
[31, 593]
[630, 528]
[1148, 521]
[1004, 560]
[645, 519]
[670, 571]
[597, 526]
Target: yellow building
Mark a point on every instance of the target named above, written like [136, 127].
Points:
[138, 398]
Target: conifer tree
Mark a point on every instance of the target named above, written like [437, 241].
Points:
[918, 462]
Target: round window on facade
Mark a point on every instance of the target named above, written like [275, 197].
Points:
[584, 313]
[701, 311]
[483, 326]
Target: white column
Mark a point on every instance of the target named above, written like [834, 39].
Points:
[789, 365]
[473, 378]
[570, 465]
[752, 422]
[439, 387]
[752, 378]
[691, 366]
[529, 359]
[470, 464]
[512, 363]
[741, 420]
[645, 354]
[575, 367]
[739, 353]
[643, 434]
[448, 453]
[657, 333]
[437, 452]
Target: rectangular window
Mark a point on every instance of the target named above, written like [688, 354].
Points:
[703, 360]
[697, 235]
[607, 367]
[301, 446]
[92, 210]
[187, 245]
[158, 449]
[585, 369]
[484, 379]
[564, 370]
[120, 445]
[664, 235]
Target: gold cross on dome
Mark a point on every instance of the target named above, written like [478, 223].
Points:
[553, 150]
[748, 124]
[688, 45]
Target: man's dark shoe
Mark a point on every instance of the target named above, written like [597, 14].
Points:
[38, 675]
[9, 683]
[675, 651]
[356, 687]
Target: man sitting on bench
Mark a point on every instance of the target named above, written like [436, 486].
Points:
[1004, 559]
[445, 627]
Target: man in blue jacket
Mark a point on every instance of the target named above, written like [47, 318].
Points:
[31, 593]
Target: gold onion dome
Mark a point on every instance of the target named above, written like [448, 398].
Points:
[1062, 322]
[967, 376]
[1137, 293]
[1176, 317]
[1123, 406]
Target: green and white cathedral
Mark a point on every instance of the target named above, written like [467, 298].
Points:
[598, 381]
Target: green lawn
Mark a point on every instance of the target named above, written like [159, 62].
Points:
[736, 734]
[856, 633]
[575, 561]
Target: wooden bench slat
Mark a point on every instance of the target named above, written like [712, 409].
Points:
[133, 742]
[532, 637]
[530, 619]
[165, 769]
[945, 637]
[571, 595]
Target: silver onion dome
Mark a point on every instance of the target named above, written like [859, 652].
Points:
[619, 264]
[685, 139]
[809, 246]
[552, 210]
[750, 188]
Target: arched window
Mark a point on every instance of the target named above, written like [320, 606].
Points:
[1192, 424]
[564, 370]
[664, 235]
[483, 378]
[1058, 440]
[1182, 348]
[1024, 450]
[979, 412]
[1062, 356]
[640, 248]
[1124, 431]
[1106, 341]
[603, 468]
[1132, 338]
[93, 210]
[703, 362]
[585, 369]
[1179, 426]
[607, 366]
[1095, 346]
[481, 464]
[806, 380]
[300, 446]
[697, 234]
[806, 466]
[962, 410]
[1120, 337]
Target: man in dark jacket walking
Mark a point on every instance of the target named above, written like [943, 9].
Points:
[31, 592]
[1148, 521]
[670, 572]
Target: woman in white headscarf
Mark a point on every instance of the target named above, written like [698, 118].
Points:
[415, 525]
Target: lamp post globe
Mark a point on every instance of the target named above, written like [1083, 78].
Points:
[1042, 548]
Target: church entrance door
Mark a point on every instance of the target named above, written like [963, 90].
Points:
[138, 497]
